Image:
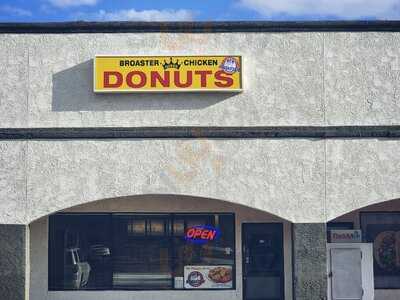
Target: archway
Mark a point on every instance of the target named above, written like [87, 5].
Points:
[169, 207]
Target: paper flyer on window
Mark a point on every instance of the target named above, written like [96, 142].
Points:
[208, 277]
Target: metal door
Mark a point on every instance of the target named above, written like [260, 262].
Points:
[346, 274]
[263, 274]
[351, 272]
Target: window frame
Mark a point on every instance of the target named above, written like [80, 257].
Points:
[171, 237]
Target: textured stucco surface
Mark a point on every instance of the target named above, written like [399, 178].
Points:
[300, 180]
[154, 203]
[309, 261]
[282, 78]
[14, 85]
[13, 182]
[13, 241]
[362, 75]
[361, 173]
[282, 177]
[290, 79]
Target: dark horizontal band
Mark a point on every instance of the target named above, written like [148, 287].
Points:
[203, 27]
[319, 132]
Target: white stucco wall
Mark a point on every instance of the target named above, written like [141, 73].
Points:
[314, 78]
[361, 172]
[300, 180]
[282, 77]
[283, 177]
[153, 203]
[290, 79]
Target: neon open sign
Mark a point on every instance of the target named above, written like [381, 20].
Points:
[202, 234]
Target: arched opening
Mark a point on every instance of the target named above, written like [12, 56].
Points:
[147, 237]
[379, 226]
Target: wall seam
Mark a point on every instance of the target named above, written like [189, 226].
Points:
[28, 85]
[26, 221]
[27, 142]
[325, 124]
[28, 124]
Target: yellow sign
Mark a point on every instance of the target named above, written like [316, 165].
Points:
[167, 73]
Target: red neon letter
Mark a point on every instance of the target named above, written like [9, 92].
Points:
[190, 233]
[140, 84]
[212, 234]
[203, 77]
[155, 76]
[197, 233]
[107, 82]
[222, 76]
[177, 79]
[204, 234]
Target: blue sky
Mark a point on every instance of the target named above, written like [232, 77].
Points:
[200, 10]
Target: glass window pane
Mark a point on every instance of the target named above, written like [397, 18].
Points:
[142, 261]
[383, 230]
[136, 227]
[157, 227]
[179, 227]
[135, 251]
[69, 258]
[72, 265]
[217, 252]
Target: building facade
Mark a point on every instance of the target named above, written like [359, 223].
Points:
[99, 192]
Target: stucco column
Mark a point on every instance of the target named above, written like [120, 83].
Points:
[13, 255]
[309, 261]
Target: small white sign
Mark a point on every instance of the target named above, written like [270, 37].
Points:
[178, 282]
[208, 277]
[345, 236]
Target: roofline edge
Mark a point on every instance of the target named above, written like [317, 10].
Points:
[200, 27]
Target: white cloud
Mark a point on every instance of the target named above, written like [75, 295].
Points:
[343, 9]
[72, 3]
[140, 15]
[15, 11]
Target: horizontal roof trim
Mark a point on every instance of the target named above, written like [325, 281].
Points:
[201, 27]
[314, 132]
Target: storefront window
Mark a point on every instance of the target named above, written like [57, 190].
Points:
[383, 230]
[80, 252]
[141, 251]
[216, 252]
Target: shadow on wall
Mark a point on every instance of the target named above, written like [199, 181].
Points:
[73, 91]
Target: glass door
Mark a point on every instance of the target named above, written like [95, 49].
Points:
[263, 272]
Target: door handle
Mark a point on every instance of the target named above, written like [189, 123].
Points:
[330, 274]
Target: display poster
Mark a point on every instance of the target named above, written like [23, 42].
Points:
[208, 277]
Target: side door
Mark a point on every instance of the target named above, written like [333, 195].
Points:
[350, 269]
[346, 274]
[263, 271]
